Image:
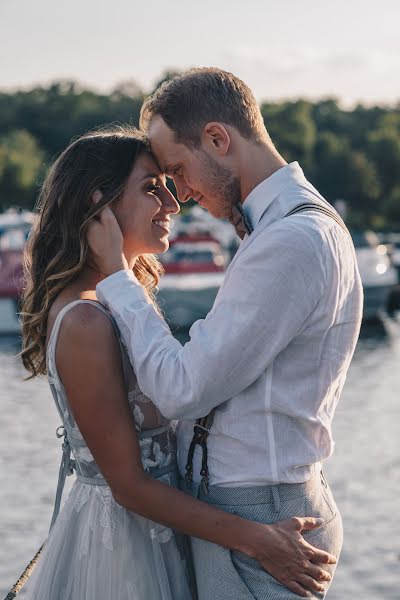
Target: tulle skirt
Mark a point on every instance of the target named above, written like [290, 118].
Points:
[97, 550]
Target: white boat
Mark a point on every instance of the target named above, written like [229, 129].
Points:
[392, 243]
[377, 273]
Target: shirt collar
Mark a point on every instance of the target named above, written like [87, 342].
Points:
[262, 196]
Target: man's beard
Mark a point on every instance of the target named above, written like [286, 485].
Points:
[222, 185]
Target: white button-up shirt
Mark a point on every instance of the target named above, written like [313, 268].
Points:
[274, 350]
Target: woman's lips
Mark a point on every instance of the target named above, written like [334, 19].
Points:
[165, 225]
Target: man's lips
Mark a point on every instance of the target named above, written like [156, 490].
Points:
[199, 200]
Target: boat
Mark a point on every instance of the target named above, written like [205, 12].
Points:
[194, 270]
[14, 230]
[378, 275]
[392, 243]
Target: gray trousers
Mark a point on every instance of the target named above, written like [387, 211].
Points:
[225, 575]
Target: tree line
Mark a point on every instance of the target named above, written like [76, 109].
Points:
[352, 155]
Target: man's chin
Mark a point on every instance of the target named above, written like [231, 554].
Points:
[213, 210]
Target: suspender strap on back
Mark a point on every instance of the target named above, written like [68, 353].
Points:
[318, 208]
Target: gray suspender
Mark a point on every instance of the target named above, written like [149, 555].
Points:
[319, 208]
[202, 427]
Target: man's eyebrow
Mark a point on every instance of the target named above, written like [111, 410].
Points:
[168, 169]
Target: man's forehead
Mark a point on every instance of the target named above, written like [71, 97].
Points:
[158, 131]
[163, 144]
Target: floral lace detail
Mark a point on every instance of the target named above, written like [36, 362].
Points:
[161, 534]
[106, 520]
[83, 455]
[82, 498]
[152, 455]
[138, 416]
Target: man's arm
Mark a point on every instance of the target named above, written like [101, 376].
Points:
[89, 363]
[271, 290]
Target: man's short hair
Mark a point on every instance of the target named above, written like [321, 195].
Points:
[189, 101]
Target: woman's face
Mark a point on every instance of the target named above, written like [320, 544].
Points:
[145, 208]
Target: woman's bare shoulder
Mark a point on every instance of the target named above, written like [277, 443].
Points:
[83, 327]
[85, 322]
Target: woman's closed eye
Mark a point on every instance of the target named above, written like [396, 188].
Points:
[154, 189]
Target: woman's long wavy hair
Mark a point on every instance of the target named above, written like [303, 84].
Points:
[57, 249]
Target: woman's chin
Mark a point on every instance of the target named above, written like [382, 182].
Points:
[153, 247]
[159, 247]
[164, 245]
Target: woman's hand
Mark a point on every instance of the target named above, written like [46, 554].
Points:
[284, 553]
[105, 240]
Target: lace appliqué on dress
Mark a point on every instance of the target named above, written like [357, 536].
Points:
[106, 517]
[161, 534]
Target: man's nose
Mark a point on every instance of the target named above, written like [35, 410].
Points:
[183, 190]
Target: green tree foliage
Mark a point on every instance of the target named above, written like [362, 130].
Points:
[55, 114]
[352, 155]
[292, 127]
[21, 168]
[349, 155]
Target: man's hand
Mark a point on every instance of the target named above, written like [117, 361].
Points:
[106, 242]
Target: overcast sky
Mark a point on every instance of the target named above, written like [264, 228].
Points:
[281, 48]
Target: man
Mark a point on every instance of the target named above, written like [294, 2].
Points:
[272, 355]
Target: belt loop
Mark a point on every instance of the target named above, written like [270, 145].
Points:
[276, 498]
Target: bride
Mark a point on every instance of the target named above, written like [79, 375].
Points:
[117, 535]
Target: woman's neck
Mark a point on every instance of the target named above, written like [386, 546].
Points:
[85, 284]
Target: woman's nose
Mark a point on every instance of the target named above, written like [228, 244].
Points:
[170, 203]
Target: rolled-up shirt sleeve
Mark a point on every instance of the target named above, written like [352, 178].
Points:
[269, 292]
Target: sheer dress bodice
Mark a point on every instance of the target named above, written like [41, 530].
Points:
[156, 434]
[96, 549]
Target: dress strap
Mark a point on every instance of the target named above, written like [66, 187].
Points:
[67, 465]
[51, 347]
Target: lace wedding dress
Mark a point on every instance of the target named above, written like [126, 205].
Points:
[96, 549]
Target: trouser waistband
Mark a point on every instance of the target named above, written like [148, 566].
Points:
[262, 494]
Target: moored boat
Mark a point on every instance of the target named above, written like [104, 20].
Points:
[194, 270]
[14, 229]
[377, 273]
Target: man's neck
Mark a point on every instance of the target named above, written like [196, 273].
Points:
[257, 163]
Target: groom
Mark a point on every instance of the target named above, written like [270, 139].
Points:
[269, 362]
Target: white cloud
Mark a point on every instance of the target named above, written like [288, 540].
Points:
[310, 72]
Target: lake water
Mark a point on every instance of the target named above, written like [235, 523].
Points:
[364, 472]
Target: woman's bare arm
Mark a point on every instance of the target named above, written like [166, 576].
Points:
[89, 363]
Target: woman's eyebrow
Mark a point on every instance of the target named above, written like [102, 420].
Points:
[152, 176]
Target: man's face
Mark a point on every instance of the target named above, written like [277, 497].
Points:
[196, 173]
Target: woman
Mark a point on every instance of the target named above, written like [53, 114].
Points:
[113, 538]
